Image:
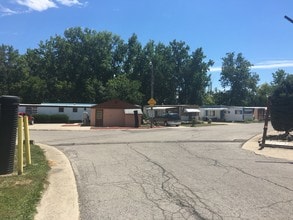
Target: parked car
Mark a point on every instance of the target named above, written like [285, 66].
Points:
[31, 119]
[168, 119]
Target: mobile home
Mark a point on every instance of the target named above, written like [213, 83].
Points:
[75, 111]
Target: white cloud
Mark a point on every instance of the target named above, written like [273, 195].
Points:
[69, 2]
[215, 69]
[6, 11]
[37, 5]
[271, 64]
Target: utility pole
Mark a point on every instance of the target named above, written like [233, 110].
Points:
[152, 79]
[152, 92]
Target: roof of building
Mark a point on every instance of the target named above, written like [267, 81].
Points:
[68, 105]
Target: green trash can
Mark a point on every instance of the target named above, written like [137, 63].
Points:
[8, 128]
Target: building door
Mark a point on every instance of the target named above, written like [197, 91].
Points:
[99, 118]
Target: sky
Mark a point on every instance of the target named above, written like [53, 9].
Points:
[255, 28]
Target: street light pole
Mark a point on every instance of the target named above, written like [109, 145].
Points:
[152, 92]
[289, 19]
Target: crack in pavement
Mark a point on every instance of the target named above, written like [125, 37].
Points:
[215, 162]
[276, 203]
[226, 167]
[174, 194]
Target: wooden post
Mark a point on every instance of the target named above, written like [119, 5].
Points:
[265, 129]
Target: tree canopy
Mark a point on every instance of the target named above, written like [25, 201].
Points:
[88, 66]
[84, 65]
[240, 81]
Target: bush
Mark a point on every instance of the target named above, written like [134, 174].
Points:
[41, 118]
[57, 118]
[281, 106]
[282, 113]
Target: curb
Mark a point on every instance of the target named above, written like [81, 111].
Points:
[60, 198]
[277, 152]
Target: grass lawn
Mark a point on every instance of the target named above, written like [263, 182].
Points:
[20, 194]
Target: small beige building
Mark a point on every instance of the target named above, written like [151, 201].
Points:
[116, 113]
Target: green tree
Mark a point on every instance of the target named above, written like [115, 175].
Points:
[278, 77]
[262, 93]
[238, 79]
[221, 97]
[209, 99]
[124, 89]
[83, 65]
[12, 70]
[265, 90]
[180, 58]
[165, 80]
[132, 55]
[77, 66]
[90, 62]
[196, 78]
[32, 90]
[146, 65]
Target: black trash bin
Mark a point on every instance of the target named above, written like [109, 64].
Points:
[8, 127]
[136, 123]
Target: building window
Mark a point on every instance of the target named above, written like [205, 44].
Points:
[210, 113]
[61, 109]
[74, 109]
[238, 112]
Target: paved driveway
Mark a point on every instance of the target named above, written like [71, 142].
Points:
[175, 173]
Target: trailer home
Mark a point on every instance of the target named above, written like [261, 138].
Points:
[75, 111]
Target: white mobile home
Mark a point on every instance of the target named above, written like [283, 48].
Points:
[214, 113]
[186, 112]
[238, 113]
[226, 113]
[75, 111]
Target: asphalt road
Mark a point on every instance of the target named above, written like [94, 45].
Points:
[174, 173]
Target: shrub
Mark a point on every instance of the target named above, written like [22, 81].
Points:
[41, 118]
[57, 118]
[281, 106]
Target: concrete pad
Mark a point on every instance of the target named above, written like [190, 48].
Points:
[281, 153]
[59, 127]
